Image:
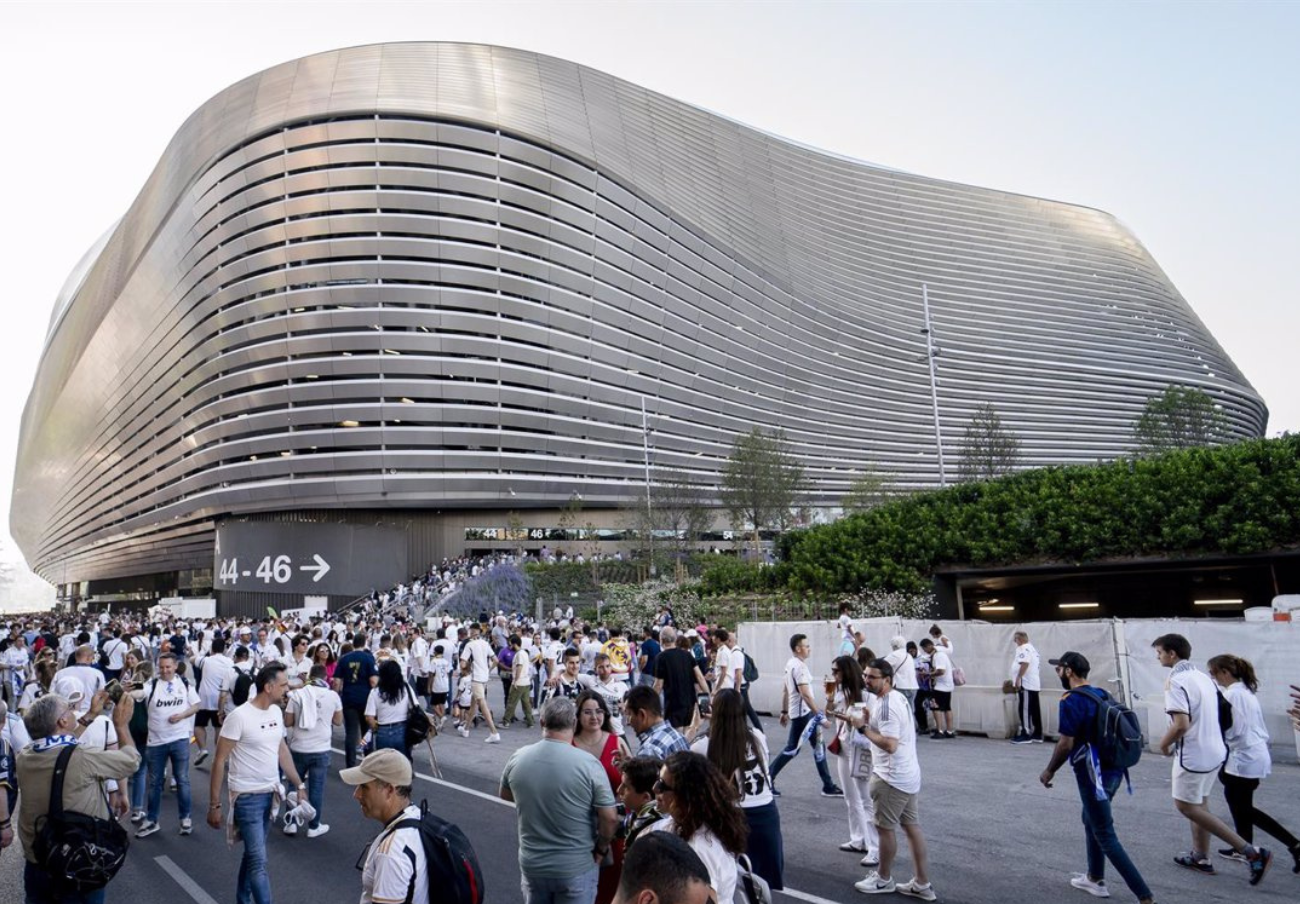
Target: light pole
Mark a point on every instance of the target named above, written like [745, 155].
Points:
[649, 513]
[930, 354]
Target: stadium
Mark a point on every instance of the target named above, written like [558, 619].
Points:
[386, 304]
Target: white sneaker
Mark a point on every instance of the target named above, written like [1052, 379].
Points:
[464, 732]
[203, 755]
[493, 739]
[1096, 889]
[137, 817]
[872, 859]
[914, 889]
[874, 885]
[187, 826]
[318, 831]
[147, 829]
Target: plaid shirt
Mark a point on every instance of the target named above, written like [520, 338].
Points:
[660, 741]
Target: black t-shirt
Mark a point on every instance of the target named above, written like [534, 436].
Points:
[677, 669]
[178, 644]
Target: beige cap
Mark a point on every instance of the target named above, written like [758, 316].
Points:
[387, 765]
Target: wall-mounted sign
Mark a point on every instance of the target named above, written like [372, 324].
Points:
[320, 559]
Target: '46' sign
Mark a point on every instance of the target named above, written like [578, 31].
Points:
[277, 570]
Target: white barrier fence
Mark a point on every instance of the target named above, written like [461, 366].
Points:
[1118, 650]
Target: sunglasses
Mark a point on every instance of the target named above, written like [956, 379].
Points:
[660, 787]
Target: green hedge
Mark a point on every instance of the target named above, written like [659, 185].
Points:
[1237, 499]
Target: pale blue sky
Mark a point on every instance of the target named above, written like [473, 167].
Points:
[1178, 118]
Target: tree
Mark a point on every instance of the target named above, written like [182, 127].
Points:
[868, 490]
[761, 482]
[988, 448]
[679, 504]
[1179, 418]
[570, 516]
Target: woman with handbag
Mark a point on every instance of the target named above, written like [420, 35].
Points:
[741, 752]
[387, 708]
[854, 763]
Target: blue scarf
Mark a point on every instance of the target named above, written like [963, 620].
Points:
[58, 740]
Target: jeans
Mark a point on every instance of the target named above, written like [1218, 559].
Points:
[792, 750]
[353, 718]
[579, 889]
[36, 884]
[391, 737]
[136, 785]
[157, 756]
[1099, 835]
[253, 819]
[312, 769]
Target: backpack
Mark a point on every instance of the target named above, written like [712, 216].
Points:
[750, 671]
[243, 684]
[1225, 714]
[454, 876]
[80, 853]
[1117, 733]
[418, 725]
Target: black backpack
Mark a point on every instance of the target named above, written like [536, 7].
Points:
[750, 671]
[79, 853]
[454, 876]
[1117, 733]
[243, 684]
[1225, 714]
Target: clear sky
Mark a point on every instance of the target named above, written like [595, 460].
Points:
[1178, 118]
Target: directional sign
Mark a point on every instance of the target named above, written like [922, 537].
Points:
[293, 558]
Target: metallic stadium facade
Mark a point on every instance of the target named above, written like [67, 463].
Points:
[448, 280]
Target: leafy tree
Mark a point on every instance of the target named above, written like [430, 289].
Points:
[868, 490]
[1181, 417]
[761, 482]
[988, 448]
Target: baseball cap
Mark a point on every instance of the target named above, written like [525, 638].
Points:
[387, 765]
[1075, 662]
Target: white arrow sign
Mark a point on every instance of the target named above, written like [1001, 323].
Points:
[321, 568]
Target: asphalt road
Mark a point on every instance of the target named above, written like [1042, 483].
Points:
[996, 836]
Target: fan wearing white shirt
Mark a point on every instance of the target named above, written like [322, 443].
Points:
[1194, 736]
[1249, 761]
[252, 740]
[312, 715]
[171, 703]
[895, 785]
[1027, 682]
[941, 690]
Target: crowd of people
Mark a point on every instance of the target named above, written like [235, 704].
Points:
[643, 733]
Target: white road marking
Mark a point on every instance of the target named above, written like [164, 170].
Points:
[788, 891]
[182, 878]
[804, 896]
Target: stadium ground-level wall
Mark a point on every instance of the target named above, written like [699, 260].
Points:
[1119, 651]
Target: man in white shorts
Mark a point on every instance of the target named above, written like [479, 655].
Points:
[1195, 741]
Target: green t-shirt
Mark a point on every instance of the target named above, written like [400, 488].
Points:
[556, 788]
